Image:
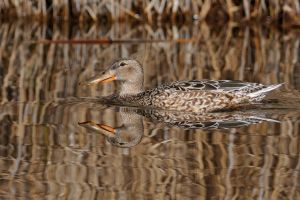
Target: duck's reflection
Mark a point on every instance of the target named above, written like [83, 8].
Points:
[127, 133]
[129, 128]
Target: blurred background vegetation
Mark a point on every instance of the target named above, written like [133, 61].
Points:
[155, 11]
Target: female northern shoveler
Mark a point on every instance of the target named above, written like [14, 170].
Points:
[190, 96]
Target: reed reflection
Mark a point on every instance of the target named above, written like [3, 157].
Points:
[44, 149]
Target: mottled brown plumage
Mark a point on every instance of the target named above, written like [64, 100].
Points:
[189, 96]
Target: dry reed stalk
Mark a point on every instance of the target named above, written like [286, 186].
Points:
[184, 60]
[153, 11]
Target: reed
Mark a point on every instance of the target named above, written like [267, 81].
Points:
[57, 62]
[152, 11]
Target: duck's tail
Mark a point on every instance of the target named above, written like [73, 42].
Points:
[262, 92]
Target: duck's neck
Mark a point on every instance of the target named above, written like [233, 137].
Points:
[131, 88]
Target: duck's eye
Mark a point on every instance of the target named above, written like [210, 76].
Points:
[122, 64]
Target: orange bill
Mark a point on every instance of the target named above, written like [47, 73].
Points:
[109, 79]
[107, 128]
[99, 79]
[98, 127]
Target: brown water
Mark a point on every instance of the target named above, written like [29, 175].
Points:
[49, 148]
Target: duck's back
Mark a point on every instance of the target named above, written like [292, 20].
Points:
[204, 95]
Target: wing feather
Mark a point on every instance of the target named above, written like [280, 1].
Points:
[220, 85]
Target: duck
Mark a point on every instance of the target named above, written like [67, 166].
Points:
[198, 96]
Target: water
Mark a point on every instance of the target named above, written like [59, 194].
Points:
[50, 142]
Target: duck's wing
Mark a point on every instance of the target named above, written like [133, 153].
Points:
[220, 85]
[252, 90]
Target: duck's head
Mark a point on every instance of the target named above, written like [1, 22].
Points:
[128, 72]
